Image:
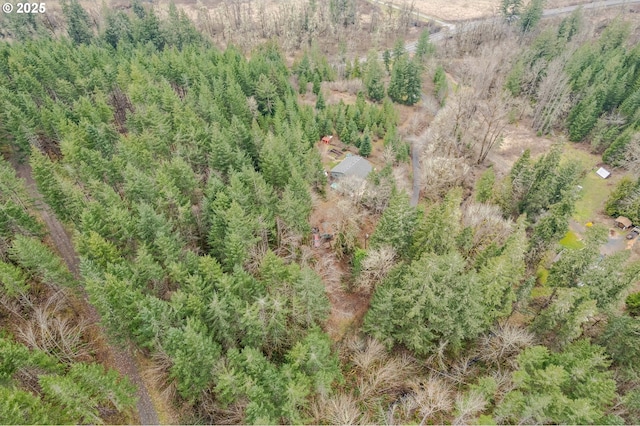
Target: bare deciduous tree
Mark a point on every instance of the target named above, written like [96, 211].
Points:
[503, 343]
[441, 173]
[470, 37]
[374, 268]
[385, 379]
[254, 259]
[491, 120]
[347, 226]
[54, 332]
[364, 353]
[553, 96]
[339, 409]
[632, 155]
[295, 24]
[378, 373]
[450, 131]
[353, 187]
[289, 242]
[431, 396]
[463, 369]
[352, 86]
[487, 224]
[376, 197]
[327, 268]
[467, 406]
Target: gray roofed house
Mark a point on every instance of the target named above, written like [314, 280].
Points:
[353, 165]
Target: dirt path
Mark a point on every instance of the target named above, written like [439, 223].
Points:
[415, 162]
[347, 308]
[120, 358]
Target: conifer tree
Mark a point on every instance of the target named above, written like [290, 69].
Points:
[405, 85]
[572, 386]
[78, 25]
[266, 95]
[317, 84]
[531, 15]
[194, 355]
[320, 103]
[510, 9]
[396, 89]
[424, 48]
[48, 184]
[399, 51]
[302, 84]
[355, 70]
[439, 301]
[117, 28]
[373, 78]
[35, 257]
[440, 84]
[396, 226]
[621, 337]
[502, 274]
[386, 59]
[582, 118]
[365, 145]
[440, 228]
[484, 186]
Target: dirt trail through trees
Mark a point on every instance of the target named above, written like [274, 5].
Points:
[347, 308]
[118, 357]
[415, 161]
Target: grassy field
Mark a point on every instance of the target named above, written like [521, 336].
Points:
[595, 190]
[571, 241]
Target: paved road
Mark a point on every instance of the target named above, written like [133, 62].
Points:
[121, 358]
[593, 5]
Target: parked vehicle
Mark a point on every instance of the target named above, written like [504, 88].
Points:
[634, 233]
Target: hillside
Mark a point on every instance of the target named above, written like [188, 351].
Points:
[217, 225]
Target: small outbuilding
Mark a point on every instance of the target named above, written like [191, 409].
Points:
[327, 139]
[623, 222]
[353, 165]
[603, 173]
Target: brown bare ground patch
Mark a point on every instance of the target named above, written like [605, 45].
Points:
[164, 406]
[347, 308]
[517, 139]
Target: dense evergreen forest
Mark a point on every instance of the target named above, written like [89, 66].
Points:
[187, 174]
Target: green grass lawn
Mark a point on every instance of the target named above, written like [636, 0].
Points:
[571, 241]
[542, 274]
[541, 292]
[595, 190]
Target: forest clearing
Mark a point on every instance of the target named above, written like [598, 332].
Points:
[320, 212]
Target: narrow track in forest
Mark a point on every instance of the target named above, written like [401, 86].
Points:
[120, 358]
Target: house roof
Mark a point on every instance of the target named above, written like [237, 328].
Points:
[624, 221]
[353, 166]
[603, 173]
